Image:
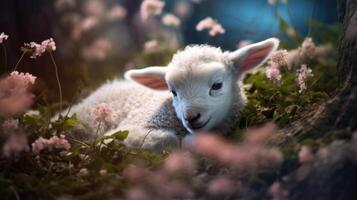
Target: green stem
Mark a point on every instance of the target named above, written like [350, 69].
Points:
[57, 77]
[96, 133]
[18, 62]
[5, 56]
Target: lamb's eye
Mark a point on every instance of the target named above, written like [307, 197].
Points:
[174, 92]
[217, 86]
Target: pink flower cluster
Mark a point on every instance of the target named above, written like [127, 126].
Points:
[98, 50]
[53, 143]
[15, 144]
[117, 12]
[179, 162]
[102, 113]
[150, 8]
[280, 57]
[14, 93]
[3, 37]
[39, 49]
[248, 156]
[273, 73]
[302, 74]
[212, 25]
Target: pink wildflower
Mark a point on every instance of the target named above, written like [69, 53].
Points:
[103, 172]
[260, 135]
[178, 162]
[58, 143]
[14, 95]
[137, 193]
[50, 144]
[94, 8]
[98, 51]
[170, 20]
[273, 73]
[83, 172]
[221, 185]
[182, 9]
[303, 73]
[280, 57]
[10, 125]
[277, 192]
[102, 113]
[308, 47]
[14, 145]
[216, 29]
[150, 8]
[3, 37]
[24, 79]
[116, 12]
[305, 155]
[39, 49]
[39, 145]
[151, 45]
[212, 25]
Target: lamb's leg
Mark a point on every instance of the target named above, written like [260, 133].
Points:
[150, 139]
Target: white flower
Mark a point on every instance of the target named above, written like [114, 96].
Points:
[3, 37]
[303, 73]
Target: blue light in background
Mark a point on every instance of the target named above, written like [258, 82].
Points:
[255, 19]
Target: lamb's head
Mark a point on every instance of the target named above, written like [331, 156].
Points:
[203, 81]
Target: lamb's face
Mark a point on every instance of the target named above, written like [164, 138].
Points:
[202, 95]
[202, 80]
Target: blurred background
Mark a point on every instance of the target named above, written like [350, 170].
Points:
[98, 40]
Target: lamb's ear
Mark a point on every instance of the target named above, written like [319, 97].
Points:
[152, 77]
[253, 55]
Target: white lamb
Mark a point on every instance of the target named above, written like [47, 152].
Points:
[199, 90]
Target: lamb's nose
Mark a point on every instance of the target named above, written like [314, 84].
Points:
[192, 118]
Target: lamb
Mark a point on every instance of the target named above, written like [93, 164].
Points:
[198, 91]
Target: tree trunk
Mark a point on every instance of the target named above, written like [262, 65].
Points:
[333, 176]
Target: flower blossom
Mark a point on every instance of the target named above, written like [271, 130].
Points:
[3, 37]
[10, 125]
[221, 185]
[102, 113]
[210, 24]
[54, 142]
[305, 155]
[23, 79]
[15, 144]
[39, 49]
[308, 47]
[273, 73]
[151, 45]
[303, 73]
[15, 97]
[97, 51]
[244, 156]
[280, 57]
[150, 8]
[178, 162]
[170, 20]
[116, 12]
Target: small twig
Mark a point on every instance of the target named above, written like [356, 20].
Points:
[57, 77]
[5, 56]
[142, 143]
[15, 193]
[18, 62]
[80, 142]
[96, 133]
